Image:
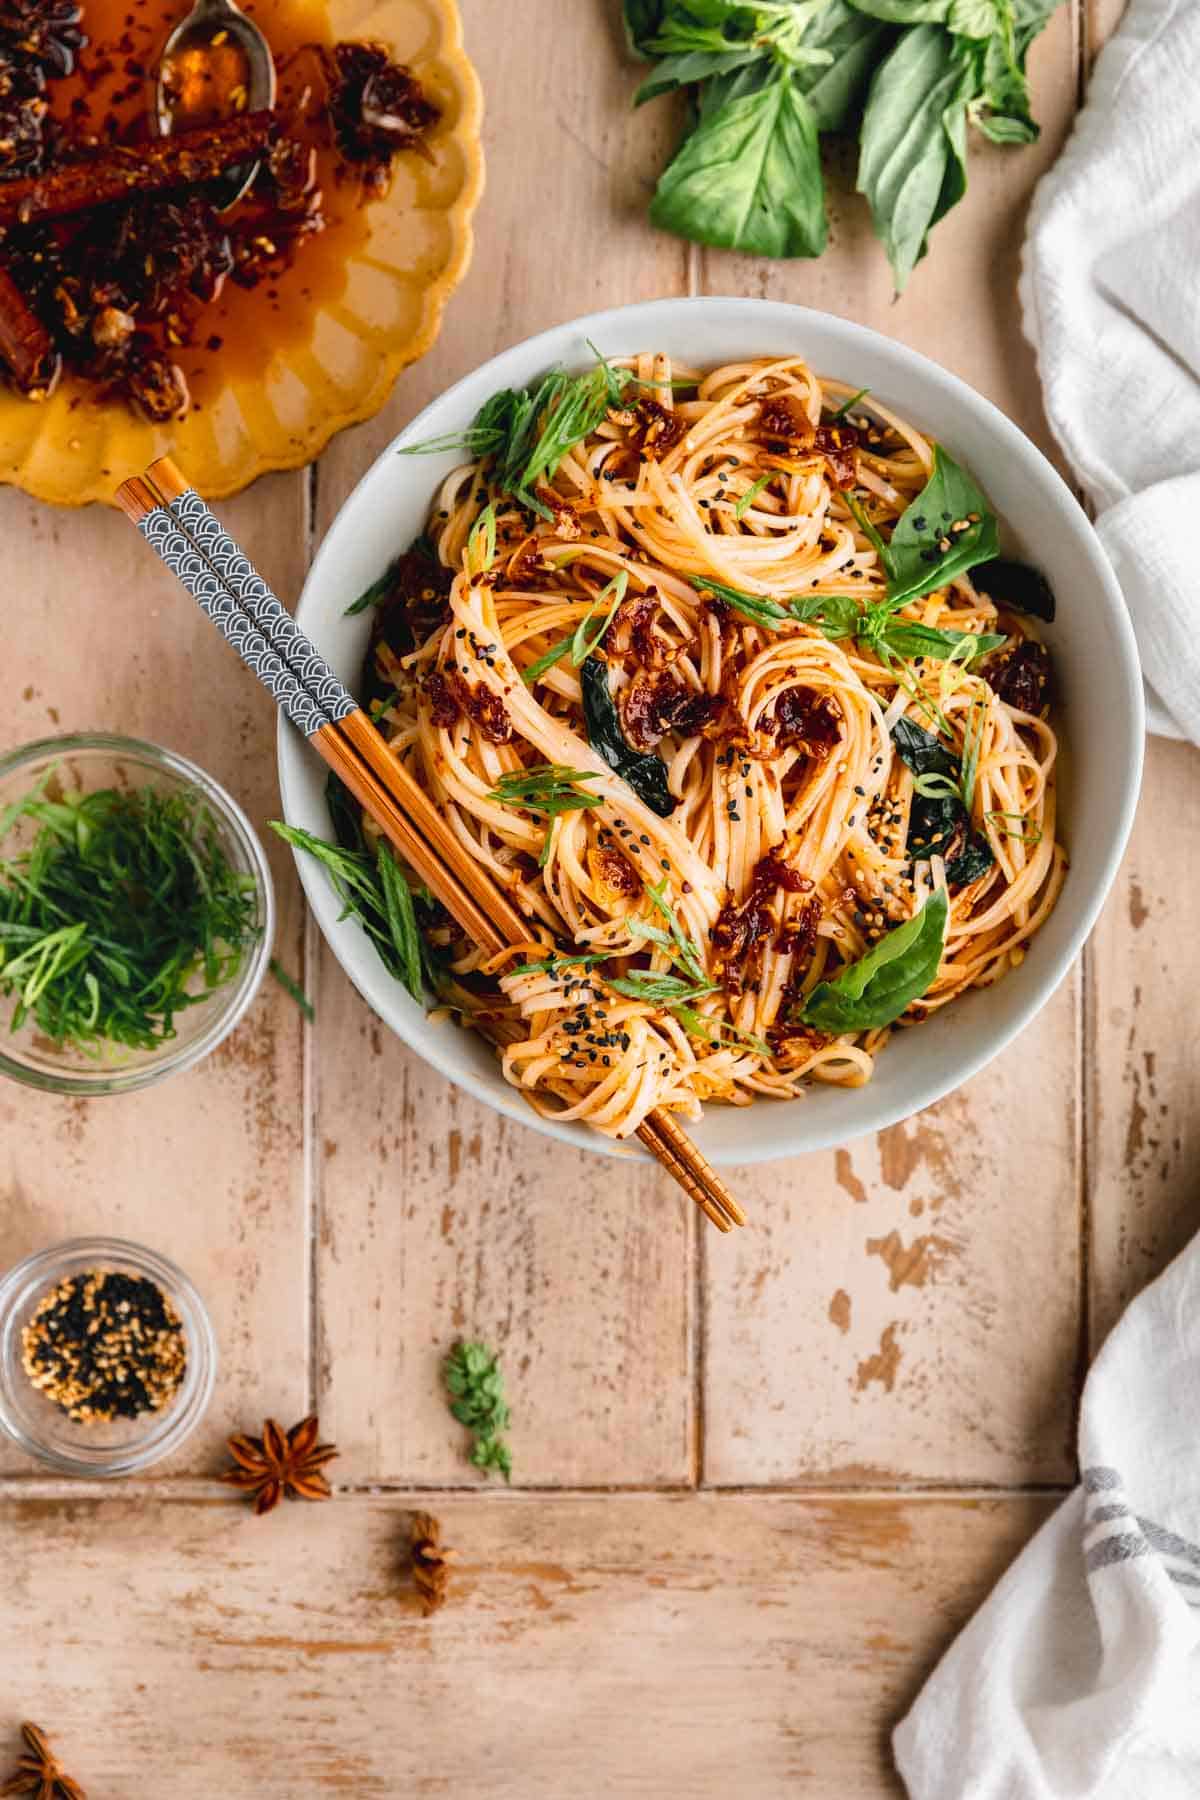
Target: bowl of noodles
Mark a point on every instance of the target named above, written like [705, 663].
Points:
[782, 685]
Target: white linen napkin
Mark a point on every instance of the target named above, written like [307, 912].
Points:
[1110, 290]
[1079, 1678]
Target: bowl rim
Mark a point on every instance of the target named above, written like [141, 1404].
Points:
[551, 345]
[245, 986]
[43, 1269]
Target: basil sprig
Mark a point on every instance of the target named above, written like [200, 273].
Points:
[768, 77]
[875, 990]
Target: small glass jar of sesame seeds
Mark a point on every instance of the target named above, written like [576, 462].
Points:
[107, 1357]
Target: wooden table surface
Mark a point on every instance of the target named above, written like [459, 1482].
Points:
[760, 1481]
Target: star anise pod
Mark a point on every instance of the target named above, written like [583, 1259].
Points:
[38, 1772]
[280, 1463]
[431, 1561]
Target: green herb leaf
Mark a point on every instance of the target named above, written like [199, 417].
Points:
[547, 660]
[373, 890]
[906, 12]
[835, 92]
[643, 20]
[912, 150]
[904, 637]
[291, 986]
[858, 513]
[120, 911]
[646, 774]
[581, 644]
[481, 543]
[835, 615]
[371, 596]
[748, 177]
[875, 990]
[755, 607]
[698, 1024]
[559, 965]
[938, 817]
[684, 949]
[529, 432]
[972, 744]
[475, 1392]
[751, 494]
[936, 787]
[950, 510]
[854, 399]
[690, 66]
[546, 788]
[660, 989]
[1016, 825]
[549, 789]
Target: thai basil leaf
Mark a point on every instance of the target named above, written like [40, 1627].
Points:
[905, 638]
[1002, 111]
[643, 21]
[874, 991]
[975, 18]
[646, 775]
[936, 821]
[837, 615]
[691, 66]
[748, 177]
[973, 860]
[912, 152]
[914, 559]
[836, 91]
[906, 12]
[755, 607]
[834, 615]
[662, 990]
[1016, 585]
[922, 752]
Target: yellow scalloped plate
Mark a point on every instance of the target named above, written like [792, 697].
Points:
[283, 383]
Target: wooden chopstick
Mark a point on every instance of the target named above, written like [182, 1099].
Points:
[191, 541]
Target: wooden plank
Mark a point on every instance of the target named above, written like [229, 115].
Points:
[1144, 1133]
[439, 1220]
[906, 1309]
[208, 1167]
[437, 1217]
[910, 1310]
[640, 1646]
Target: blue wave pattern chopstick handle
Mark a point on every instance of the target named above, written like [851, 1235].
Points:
[240, 632]
[264, 608]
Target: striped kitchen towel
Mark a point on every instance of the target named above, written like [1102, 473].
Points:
[1079, 1678]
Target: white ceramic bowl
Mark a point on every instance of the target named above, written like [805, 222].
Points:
[1092, 642]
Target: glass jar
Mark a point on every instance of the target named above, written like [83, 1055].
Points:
[100, 1447]
[84, 762]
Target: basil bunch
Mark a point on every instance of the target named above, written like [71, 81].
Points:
[768, 77]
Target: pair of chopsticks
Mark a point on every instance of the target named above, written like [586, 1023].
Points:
[193, 544]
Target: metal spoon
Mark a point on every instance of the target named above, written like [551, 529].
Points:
[210, 20]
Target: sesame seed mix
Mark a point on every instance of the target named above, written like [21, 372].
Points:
[104, 1346]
